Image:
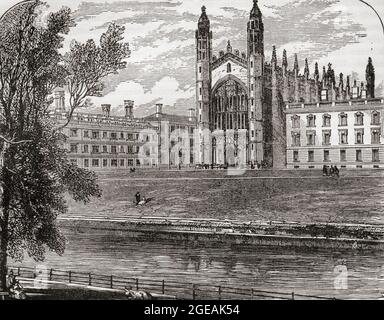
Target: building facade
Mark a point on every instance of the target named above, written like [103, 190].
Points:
[241, 106]
[105, 142]
[177, 138]
[248, 111]
[239, 100]
[342, 133]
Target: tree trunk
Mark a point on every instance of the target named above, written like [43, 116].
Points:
[3, 261]
[6, 184]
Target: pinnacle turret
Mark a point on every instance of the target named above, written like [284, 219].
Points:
[204, 23]
[255, 12]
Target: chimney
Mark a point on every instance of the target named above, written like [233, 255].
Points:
[106, 108]
[128, 105]
[191, 114]
[159, 109]
[60, 100]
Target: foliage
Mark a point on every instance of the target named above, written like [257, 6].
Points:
[36, 171]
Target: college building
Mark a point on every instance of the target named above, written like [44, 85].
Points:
[248, 111]
[342, 133]
[107, 142]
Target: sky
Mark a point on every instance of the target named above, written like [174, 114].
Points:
[161, 68]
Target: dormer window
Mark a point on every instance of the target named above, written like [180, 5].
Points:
[355, 92]
[324, 95]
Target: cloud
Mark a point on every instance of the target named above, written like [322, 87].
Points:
[162, 39]
[166, 91]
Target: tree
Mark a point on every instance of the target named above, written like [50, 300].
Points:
[36, 172]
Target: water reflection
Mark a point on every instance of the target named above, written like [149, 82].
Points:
[264, 268]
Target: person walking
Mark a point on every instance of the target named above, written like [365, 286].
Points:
[332, 171]
[137, 198]
[336, 171]
[324, 170]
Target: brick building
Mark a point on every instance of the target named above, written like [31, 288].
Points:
[105, 142]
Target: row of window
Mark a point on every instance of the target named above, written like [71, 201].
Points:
[355, 94]
[343, 120]
[107, 135]
[174, 128]
[343, 156]
[343, 137]
[74, 148]
[114, 163]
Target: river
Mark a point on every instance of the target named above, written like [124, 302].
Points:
[314, 272]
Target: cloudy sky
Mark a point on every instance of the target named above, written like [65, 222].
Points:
[161, 36]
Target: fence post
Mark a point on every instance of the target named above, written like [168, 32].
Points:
[137, 284]
[219, 292]
[163, 287]
[18, 271]
[90, 279]
[193, 292]
[70, 276]
[293, 296]
[252, 294]
[111, 282]
[50, 274]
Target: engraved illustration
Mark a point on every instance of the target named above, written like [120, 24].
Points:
[191, 150]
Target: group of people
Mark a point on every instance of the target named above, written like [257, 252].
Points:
[331, 171]
[14, 287]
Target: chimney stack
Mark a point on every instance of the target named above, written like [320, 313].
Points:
[60, 100]
[159, 109]
[128, 105]
[106, 108]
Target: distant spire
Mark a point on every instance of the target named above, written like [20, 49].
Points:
[306, 69]
[285, 60]
[324, 77]
[274, 56]
[204, 23]
[296, 65]
[317, 74]
[229, 47]
[341, 81]
[331, 79]
[348, 88]
[255, 12]
[370, 78]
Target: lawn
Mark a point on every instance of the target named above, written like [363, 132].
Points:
[310, 198]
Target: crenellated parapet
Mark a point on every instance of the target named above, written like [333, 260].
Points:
[327, 87]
